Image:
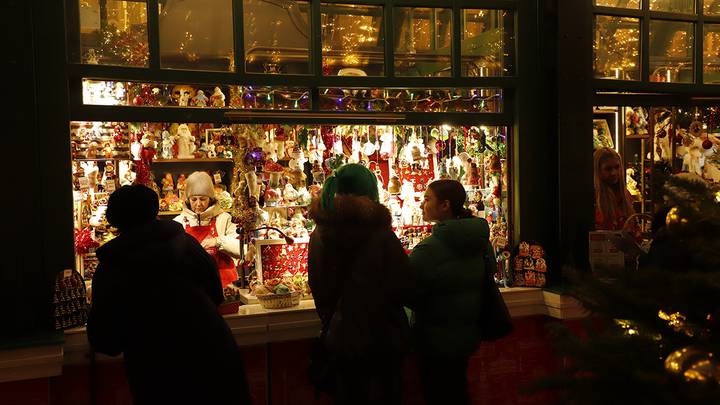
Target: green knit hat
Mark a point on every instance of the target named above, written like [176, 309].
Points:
[351, 179]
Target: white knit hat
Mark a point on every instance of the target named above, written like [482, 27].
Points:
[199, 183]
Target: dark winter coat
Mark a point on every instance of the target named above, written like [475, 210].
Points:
[354, 254]
[450, 271]
[154, 298]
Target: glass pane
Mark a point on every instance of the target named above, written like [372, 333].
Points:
[711, 7]
[671, 51]
[277, 37]
[423, 41]
[711, 53]
[484, 100]
[352, 40]
[616, 48]
[488, 43]
[196, 35]
[114, 32]
[673, 6]
[619, 3]
[102, 92]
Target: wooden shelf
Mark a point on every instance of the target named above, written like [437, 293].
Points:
[169, 213]
[103, 159]
[205, 160]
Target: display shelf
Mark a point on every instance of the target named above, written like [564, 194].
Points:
[169, 213]
[203, 160]
[103, 159]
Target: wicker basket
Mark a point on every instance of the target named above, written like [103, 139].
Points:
[277, 301]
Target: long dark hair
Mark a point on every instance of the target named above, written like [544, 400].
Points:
[453, 192]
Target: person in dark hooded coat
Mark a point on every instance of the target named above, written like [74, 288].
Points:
[359, 275]
[450, 271]
[154, 299]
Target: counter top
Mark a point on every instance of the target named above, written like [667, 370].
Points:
[254, 325]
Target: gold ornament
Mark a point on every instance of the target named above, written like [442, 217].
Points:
[676, 321]
[693, 364]
[674, 217]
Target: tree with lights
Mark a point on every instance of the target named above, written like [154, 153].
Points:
[653, 335]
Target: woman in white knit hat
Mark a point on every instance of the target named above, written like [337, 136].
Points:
[206, 221]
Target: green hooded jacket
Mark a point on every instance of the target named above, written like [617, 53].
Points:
[450, 270]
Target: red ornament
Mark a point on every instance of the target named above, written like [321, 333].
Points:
[138, 100]
[707, 144]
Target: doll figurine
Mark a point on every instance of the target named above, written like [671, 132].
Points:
[167, 183]
[92, 149]
[107, 150]
[200, 100]
[185, 141]
[218, 98]
[167, 145]
[184, 99]
[211, 153]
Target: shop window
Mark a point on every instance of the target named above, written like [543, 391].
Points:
[671, 51]
[486, 100]
[114, 33]
[107, 92]
[280, 166]
[634, 4]
[423, 41]
[277, 37]
[488, 42]
[616, 48]
[711, 54]
[352, 40]
[711, 7]
[196, 35]
[673, 6]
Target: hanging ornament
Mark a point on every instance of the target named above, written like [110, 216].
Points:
[693, 364]
[695, 128]
[707, 144]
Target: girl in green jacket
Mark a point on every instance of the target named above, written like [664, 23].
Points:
[449, 267]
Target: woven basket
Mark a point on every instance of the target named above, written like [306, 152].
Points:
[276, 301]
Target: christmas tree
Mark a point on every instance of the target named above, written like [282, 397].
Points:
[653, 334]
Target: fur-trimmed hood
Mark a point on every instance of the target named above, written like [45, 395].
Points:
[351, 209]
[353, 219]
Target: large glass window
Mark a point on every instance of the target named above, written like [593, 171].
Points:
[619, 3]
[616, 48]
[114, 33]
[673, 6]
[197, 35]
[671, 51]
[277, 36]
[352, 40]
[711, 54]
[488, 42]
[423, 41]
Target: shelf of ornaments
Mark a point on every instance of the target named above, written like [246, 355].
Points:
[101, 159]
[194, 160]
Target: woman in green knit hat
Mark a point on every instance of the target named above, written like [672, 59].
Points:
[360, 278]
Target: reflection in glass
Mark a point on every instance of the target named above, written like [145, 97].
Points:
[711, 54]
[711, 7]
[487, 100]
[107, 92]
[423, 41]
[619, 3]
[671, 51]
[113, 33]
[673, 6]
[277, 36]
[616, 48]
[488, 43]
[196, 35]
[352, 40]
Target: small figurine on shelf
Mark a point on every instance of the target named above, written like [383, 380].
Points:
[92, 150]
[164, 206]
[218, 98]
[181, 186]
[211, 153]
[149, 145]
[290, 195]
[222, 196]
[184, 99]
[185, 141]
[135, 147]
[167, 183]
[107, 150]
[127, 177]
[167, 145]
[108, 179]
[200, 100]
